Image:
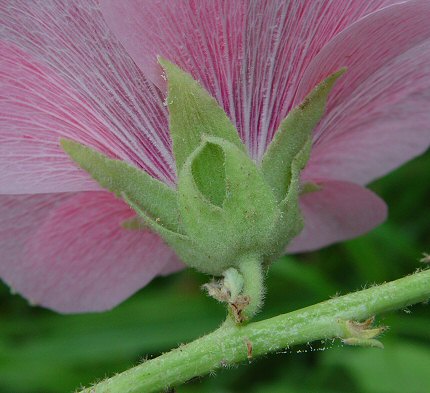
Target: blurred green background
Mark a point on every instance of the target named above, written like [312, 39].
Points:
[43, 352]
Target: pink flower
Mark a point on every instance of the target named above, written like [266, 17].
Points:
[88, 72]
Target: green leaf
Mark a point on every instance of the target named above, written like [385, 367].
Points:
[292, 140]
[154, 197]
[193, 113]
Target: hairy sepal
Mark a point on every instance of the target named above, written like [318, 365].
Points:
[289, 152]
[189, 252]
[154, 197]
[193, 113]
[290, 147]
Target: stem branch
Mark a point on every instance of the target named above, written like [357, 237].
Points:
[231, 344]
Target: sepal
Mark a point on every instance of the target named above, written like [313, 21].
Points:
[154, 197]
[289, 150]
[193, 112]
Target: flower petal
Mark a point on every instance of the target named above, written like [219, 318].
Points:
[250, 55]
[63, 74]
[339, 211]
[68, 252]
[378, 114]
[173, 266]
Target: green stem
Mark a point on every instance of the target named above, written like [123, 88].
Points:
[231, 344]
[251, 268]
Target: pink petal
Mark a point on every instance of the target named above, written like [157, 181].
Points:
[378, 114]
[173, 266]
[339, 211]
[250, 55]
[69, 253]
[63, 74]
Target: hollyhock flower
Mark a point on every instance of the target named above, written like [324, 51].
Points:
[88, 71]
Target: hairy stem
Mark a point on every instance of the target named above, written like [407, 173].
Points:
[232, 344]
[252, 272]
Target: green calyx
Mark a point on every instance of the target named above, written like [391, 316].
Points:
[226, 208]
